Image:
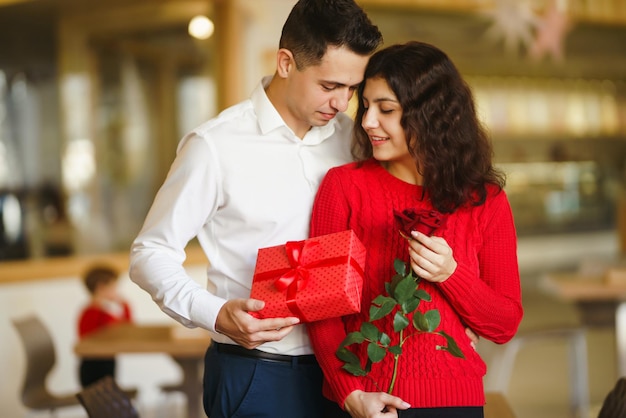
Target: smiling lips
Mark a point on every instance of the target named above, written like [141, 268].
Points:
[378, 140]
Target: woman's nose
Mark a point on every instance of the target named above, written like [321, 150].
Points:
[369, 120]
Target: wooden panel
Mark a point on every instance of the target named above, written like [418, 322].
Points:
[74, 266]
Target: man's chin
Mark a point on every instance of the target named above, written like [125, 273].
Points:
[321, 121]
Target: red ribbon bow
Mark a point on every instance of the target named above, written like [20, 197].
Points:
[295, 278]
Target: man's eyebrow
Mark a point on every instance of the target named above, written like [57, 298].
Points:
[338, 84]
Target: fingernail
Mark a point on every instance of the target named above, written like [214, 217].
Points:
[406, 404]
[415, 233]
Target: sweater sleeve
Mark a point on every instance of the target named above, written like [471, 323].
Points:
[490, 302]
[331, 214]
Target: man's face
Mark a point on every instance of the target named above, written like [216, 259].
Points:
[316, 93]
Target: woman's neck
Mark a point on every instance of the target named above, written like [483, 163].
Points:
[405, 172]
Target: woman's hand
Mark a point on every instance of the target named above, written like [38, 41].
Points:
[431, 257]
[360, 404]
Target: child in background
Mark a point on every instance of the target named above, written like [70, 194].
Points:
[106, 308]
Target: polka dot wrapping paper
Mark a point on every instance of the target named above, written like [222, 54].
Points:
[314, 279]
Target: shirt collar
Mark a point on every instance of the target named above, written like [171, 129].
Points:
[269, 118]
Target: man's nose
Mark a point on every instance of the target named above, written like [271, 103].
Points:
[341, 99]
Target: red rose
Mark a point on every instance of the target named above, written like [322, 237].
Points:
[424, 221]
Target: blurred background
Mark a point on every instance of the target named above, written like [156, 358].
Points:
[95, 95]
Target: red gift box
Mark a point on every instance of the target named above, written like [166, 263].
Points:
[314, 279]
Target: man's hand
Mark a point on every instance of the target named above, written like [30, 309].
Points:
[235, 322]
[361, 404]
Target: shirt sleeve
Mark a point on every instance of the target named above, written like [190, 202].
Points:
[184, 203]
[488, 295]
[331, 214]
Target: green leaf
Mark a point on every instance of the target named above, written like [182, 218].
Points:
[452, 347]
[347, 356]
[369, 331]
[354, 369]
[380, 299]
[395, 349]
[368, 366]
[399, 266]
[352, 338]
[405, 289]
[385, 306]
[433, 318]
[410, 305]
[390, 287]
[385, 340]
[400, 322]
[419, 321]
[422, 294]
[375, 352]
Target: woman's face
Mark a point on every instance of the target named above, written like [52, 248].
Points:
[381, 122]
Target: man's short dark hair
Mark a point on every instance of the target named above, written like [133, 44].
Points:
[313, 25]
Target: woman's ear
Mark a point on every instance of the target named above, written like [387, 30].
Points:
[284, 62]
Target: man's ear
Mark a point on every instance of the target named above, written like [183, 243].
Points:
[284, 62]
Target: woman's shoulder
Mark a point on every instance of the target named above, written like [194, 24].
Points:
[495, 201]
[354, 168]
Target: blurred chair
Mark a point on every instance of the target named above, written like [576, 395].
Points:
[40, 359]
[105, 399]
[502, 363]
[614, 405]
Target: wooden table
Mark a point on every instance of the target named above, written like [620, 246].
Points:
[186, 346]
[601, 304]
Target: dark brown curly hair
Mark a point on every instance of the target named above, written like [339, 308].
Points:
[451, 149]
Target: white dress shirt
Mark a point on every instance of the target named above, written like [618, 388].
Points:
[239, 182]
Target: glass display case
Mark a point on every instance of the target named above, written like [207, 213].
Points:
[558, 197]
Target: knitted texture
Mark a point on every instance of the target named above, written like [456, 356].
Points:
[483, 293]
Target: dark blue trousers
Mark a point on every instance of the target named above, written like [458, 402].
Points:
[237, 387]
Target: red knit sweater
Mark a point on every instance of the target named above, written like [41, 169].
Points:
[94, 317]
[483, 293]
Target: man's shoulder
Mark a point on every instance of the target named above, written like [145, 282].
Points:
[231, 118]
[343, 123]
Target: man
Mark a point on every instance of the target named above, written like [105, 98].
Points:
[246, 180]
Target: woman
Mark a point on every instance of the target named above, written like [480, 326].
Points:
[418, 145]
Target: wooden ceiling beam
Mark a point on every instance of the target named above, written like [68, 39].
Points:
[12, 2]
